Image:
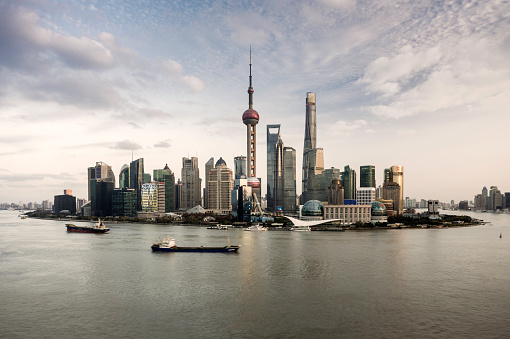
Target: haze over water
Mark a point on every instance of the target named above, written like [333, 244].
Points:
[389, 283]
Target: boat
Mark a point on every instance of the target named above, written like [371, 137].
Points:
[301, 228]
[217, 227]
[256, 228]
[168, 245]
[99, 227]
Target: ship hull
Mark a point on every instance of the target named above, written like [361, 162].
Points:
[77, 229]
[225, 249]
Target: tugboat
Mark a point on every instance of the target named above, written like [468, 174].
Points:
[99, 227]
[168, 245]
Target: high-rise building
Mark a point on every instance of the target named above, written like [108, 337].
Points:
[240, 167]
[191, 185]
[64, 204]
[179, 198]
[365, 195]
[336, 193]
[314, 168]
[124, 177]
[100, 171]
[387, 175]
[495, 198]
[278, 176]
[349, 183]
[251, 119]
[289, 181]
[273, 136]
[167, 177]
[219, 186]
[367, 176]
[310, 144]
[101, 197]
[391, 191]
[150, 197]
[397, 175]
[324, 181]
[136, 180]
[209, 165]
[123, 202]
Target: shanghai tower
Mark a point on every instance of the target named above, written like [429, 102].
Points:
[309, 149]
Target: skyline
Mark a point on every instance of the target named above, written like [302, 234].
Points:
[420, 85]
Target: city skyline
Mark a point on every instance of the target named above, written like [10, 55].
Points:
[424, 86]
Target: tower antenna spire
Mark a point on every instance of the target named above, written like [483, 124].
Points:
[250, 89]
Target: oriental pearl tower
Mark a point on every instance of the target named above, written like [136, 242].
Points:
[251, 119]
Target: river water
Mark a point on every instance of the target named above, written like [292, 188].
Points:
[416, 283]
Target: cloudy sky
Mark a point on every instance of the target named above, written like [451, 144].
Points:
[423, 84]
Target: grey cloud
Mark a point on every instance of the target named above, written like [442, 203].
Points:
[26, 44]
[126, 145]
[163, 144]
[20, 177]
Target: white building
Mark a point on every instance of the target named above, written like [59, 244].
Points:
[350, 214]
[365, 195]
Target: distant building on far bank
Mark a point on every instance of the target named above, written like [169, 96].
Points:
[64, 203]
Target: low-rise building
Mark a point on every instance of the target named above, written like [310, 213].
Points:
[350, 214]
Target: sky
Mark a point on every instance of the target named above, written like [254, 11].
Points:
[422, 84]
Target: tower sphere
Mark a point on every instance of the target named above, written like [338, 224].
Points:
[250, 117]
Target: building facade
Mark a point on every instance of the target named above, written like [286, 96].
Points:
[273, 137]
[289, 181]
[64, 203]
[349, 183]
[124, 202]
[349, 214]
[365, 195]
[167, 177]
[191, 185]
[136, 180]
[336, 193]
[367, 176]
[220, 185]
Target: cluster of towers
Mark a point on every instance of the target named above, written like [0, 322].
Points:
[239, 191]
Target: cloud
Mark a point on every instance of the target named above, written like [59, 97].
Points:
[126, 145]
[441, 78]
[346, 128]
[163, 144]
[22, 177]
[25, 40]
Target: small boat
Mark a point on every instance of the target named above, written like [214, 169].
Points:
[99, 227]
[256, 228]
[168, 245]
[217, 227]
[301, 228]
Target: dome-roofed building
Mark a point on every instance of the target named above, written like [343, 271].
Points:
[221, 162]
[378, 212]
[312, 210]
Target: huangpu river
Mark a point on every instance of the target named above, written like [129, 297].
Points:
[412, 283]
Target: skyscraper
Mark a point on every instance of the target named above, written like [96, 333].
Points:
[397, 175]
[313, 157]
[273, 135]
[101, 182]
[289, 180]
[251, 119]
[219, 186]
[240, 167]
[100, 171]
[349, 183]
[278, 176]
[209, 165]
[136, 180]
[367, 176]
[167, 177]
[124, 177]
[190, 183]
